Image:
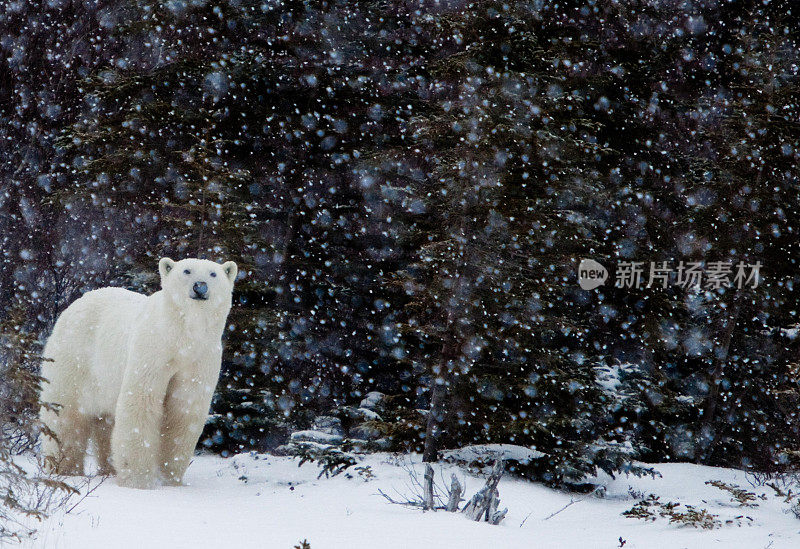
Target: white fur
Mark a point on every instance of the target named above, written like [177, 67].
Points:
[136, 374]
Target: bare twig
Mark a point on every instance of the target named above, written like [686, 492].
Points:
[409, 502]
[571, 502]
[89, 491]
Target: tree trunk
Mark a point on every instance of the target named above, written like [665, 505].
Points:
[428, 502]
[456, 490]
[438, 411]
[441, 381]
[721, 358]
[284, 299]
[483, 505]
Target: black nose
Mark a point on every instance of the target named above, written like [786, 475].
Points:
[200, 289]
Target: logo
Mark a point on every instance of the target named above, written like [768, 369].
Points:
[695, 275]
[591, 274]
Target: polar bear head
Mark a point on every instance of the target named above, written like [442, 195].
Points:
[198, 283]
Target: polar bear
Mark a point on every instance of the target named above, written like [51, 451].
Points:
[136, 374]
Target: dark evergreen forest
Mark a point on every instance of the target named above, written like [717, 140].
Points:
[408, 188]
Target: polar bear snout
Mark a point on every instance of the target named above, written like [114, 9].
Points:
[200, 290]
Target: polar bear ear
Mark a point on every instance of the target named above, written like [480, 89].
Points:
[231, 270]
[165, 265]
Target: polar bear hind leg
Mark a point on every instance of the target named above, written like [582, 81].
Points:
[101, 435]
[65, 456]
[61, 414]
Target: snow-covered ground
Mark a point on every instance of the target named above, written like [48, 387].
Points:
[268, 502]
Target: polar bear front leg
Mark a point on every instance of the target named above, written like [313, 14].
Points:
[136, 434]
[185, 413]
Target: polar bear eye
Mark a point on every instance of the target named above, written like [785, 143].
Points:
[187, 271]
[213, 275]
